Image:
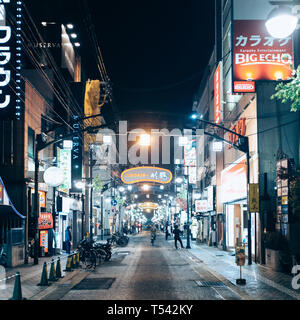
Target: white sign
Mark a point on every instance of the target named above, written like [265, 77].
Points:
[201, 205]
[210, 198]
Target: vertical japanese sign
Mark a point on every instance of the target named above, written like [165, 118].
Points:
[218, 93]
[76, 154]
[64, 162]
[190, 161]
[259, 56]
[10, 59]
[253, 197]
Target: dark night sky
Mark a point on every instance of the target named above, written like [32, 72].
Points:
[147, 47]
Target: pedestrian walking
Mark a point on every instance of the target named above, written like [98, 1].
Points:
[177, 236]
[68, 238]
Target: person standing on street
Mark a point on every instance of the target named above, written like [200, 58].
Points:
[167, 230]
[177, 236]
[68, 238]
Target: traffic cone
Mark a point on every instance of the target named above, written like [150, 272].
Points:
[69, 264]
[52, 275]
[44, 277]
[17, 293]
[58, 269]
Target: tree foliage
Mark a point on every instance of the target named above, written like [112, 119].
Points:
[289, 92]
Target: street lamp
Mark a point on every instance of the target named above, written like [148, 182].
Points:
[145, 140]
[281, 22]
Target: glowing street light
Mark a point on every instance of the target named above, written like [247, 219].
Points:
[145, 140]
[146, 187]
[281, 22]
[179, 180]
[121, 189]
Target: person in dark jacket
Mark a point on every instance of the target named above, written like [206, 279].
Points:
[68, 238]
[177, 232]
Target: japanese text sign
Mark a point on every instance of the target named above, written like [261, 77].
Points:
[45, 221]
[259, 56]
[218, 93]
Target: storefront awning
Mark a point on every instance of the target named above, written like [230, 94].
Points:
[6, 206]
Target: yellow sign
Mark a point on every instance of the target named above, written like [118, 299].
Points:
[91, 108]
[148, 205]
[284, 200]
[253, 197]
[146, 174]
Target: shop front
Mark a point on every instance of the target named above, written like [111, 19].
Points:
[234, 198]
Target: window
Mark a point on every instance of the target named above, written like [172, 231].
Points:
[30, 143]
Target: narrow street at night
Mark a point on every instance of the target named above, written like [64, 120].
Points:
[141, 271]
[150, 152]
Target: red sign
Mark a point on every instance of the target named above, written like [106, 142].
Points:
[45, 221]
[218, 93]
[244, 86]
[257, 55]
[239, 128]
[234, 181]
[44, 240]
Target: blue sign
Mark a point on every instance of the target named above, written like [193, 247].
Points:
[114, 202]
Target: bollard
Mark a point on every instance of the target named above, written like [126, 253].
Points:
[17, 293]
[44, 277]
[74, 264]
[69, 264]
[77, 259]
[52, 275]
[58, 269]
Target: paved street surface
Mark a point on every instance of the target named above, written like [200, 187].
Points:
[141, 271]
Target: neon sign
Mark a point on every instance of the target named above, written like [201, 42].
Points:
[146, 174]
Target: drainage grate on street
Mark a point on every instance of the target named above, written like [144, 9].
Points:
[209, 284]
[94, 284]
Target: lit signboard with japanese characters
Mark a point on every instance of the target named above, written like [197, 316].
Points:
[64, 162]
[10, 59]
[218, 93]
[146, 174]
[257, 55]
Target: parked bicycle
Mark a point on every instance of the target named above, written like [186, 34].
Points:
[87, 254]
[119, 239]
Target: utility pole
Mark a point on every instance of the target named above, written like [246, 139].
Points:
[188, 244]
[91, 193]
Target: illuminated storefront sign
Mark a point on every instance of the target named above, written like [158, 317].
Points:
[45, 221]
[42, 199]
[64, 162]
[239, 128]
[218, 93]
[190, 161]
[201, 205]
[10, 59]
[244, 86]
[44, 240]
[148, 205]
[257, 55]
[210, 198]
[234, 181]
[146, 174]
